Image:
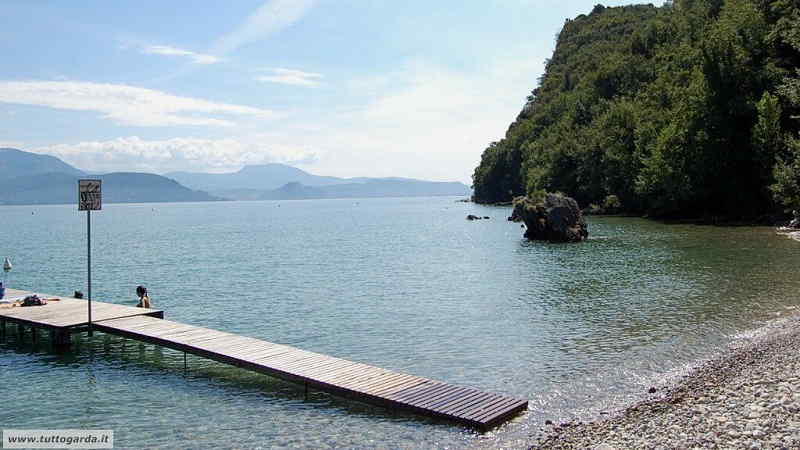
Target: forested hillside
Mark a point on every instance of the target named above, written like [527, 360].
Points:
[689, 109]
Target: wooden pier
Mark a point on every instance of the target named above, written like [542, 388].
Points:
[337, 376]
[63, 317]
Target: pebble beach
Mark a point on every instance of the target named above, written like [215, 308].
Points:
[748, 398]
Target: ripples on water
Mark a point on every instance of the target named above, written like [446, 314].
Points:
[406, 284]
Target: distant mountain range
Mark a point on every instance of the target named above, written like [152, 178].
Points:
[31, 178]
[281, 182]
[16, 163]
[262, 177]
[377, 187]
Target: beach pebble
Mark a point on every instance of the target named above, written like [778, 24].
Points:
[605, 447]
[748, 397]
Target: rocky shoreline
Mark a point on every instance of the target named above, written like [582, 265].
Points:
[792, 233]
[748, 397]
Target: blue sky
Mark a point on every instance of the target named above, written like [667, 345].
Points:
[346, 88]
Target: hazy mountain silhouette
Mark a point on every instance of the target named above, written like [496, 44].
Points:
[375, 187]
[17, 163]
[29, 178]
[260, 177]
[282, 182]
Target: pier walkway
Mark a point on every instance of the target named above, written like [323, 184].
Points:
[340, 377]
[63, 317]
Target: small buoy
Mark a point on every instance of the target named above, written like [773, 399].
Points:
[7, 265]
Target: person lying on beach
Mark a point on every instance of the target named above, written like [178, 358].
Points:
[144, 300]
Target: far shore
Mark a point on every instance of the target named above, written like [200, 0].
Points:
[748, 397]
[773, 220]
[790, 232]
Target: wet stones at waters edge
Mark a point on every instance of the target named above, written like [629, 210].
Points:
[556, 219]
[747, 398]
[516, 213]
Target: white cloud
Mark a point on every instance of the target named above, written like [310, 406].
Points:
[180, 154]
[434, 124]
[272, 17]
[12, 144]
[127, 105]
[290, 76]
[198, 58]
[423, 121]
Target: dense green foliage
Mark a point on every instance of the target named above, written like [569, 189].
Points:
[681, 110]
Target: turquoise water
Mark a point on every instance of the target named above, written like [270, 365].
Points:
[406, 284]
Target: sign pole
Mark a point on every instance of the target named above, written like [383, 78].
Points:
[89, 264]
[89, 198]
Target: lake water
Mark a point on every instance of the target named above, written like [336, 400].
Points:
[406, 284]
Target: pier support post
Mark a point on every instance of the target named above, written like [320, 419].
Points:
[34, 337]
[2, 329]
[20, 333]
[185, 367]
[62, 341]
[306, 388]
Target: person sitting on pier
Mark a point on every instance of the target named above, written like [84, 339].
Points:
[144, 300]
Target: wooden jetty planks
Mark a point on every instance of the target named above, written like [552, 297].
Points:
[338, 376]
[335, 375]
[67, 311]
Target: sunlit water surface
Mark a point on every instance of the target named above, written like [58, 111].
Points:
[406, 284]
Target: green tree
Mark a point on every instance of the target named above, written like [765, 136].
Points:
[786, 187]
[679, 110]
[767, 136]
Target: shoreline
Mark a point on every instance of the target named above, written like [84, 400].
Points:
[775, 220]
[748, 396]
[791, 233]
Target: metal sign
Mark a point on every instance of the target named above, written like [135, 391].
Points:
[89, 195]
[89, 199]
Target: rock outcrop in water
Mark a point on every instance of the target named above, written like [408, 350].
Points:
[556, 219]
[515, 212]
